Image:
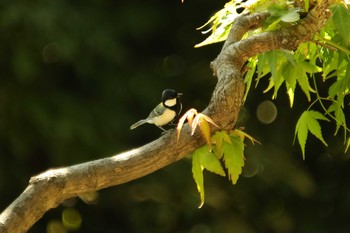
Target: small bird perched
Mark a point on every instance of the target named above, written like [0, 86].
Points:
[165, 112]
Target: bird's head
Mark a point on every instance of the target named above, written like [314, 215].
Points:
[170, 97]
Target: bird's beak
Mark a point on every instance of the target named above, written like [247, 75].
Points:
[179, 94]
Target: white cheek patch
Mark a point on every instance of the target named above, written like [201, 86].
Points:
[170, 103]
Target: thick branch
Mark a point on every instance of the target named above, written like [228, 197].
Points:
[50, 188]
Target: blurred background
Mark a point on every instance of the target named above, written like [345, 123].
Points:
[74, 75]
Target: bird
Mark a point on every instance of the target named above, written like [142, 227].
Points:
[165, 112]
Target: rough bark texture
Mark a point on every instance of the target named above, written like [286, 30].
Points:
[47, 190]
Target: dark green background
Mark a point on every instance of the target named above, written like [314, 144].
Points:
[74, 75]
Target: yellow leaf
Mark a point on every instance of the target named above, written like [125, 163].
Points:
[226, 137]
[243, 135]
[205, 129]
[207, 119]
[189, 116]
[218, 139]
[194, 124]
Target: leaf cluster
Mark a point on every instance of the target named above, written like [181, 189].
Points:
[196, 120]
[223, 153]
[326, 58]
[224, 156]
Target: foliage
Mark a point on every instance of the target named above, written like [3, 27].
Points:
[309, 122]
[195, 120]
[75, 74]
[324, 59]
[224, 156]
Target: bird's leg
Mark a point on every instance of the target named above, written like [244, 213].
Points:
[162, 129]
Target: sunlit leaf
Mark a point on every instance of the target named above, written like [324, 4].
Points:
[281, 13]
[307, 5]
[303, 81]
[276, 60]
[208, 119]
[204, 159]
[310, 68]
[341, 19]
[205, 129]
[301, 131]
[234, 158]
[313, 125]
[339, 115]
[189, 115]
[291, 16]
[197, 172]
[221, 23]
[248, 78]
[218, 140]
[199, 119]
[263, 5]
[330, 63]
[196, 119]
[290, 75]
[308, 121]
[262, 66]
[209, 161]
[341, 87]
[244, 135]
[347, 145]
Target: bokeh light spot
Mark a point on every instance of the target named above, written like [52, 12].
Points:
[71, 219]
[55, 226]
[266, 112]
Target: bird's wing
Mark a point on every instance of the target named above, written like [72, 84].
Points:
[159, 110]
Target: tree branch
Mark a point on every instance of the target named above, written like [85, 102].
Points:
[47, 190]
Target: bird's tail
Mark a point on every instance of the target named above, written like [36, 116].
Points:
[137, 124]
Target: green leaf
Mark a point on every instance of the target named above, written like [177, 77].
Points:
[347, 145]
[234, 158]
[276, 59]
[307, 5]
[289, 74]
[209, 161]
[303, 81]
[313, 125]
[308, 121]
[221, 24]
[341, 87]
[339, 116]
[291, 16]
[304, 67]
[341, 19]
[330, 63]
[218, 140]
[301, 131]
[197, 171]
[309, 68]
[248, 78]
[263, 5]
[273, 58]
[262, 67]
[204, 159]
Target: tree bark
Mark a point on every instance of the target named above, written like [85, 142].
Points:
[47, 190]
